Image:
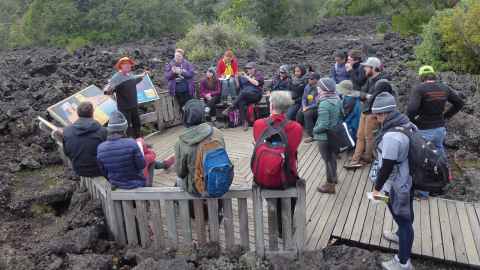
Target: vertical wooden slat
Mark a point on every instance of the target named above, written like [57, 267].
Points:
[142, 220]
[243, 220]
[417, 241]
[199, 221]
[427, 244]
[130, 226]
[258, 220]
[228, 223]
[287, 223]
[213, 220]
[272, 224]
[474, 224]
[458, 241]
[157, 224]
[112, 222]
[117, 208]
[299, 216]
[185, 219]
[171, 221]
[437, 242]
[159, 114]
[467, 233]
[446, 232]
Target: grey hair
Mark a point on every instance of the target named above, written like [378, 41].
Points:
[281, 101]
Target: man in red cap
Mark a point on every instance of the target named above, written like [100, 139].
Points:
[124, 85]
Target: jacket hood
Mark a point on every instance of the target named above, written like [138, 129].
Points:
[196, 134]
[85, 125]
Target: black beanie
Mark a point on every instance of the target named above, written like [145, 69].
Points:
[383, 85]
[194, 113]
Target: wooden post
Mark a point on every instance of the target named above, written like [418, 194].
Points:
[131, 227]
[287, 223]
[171, 221]
[272, 224]
[142, 221]
[212, 205]
[300, 217]
[112, 222]
[185, 219]
[117, 206]
[157, 224]
[243, 220]
[159, 113]
[258, 220]
[228, 223]
[199, 221]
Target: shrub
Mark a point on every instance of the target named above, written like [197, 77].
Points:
[207, 41]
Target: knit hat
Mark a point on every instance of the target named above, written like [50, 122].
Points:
[383, 85]
[424, 70]
[345, 88]
[327, 85]
[123, 60]
[283, 69]
[117, 122]
[383, 103]
[194, 112]
[373, 62]
[314, 76]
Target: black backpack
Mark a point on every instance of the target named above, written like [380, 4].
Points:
[428, 167]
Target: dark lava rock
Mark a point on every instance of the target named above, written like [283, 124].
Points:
[172, 264]
[10, 259]
[89, 261]
[75, 241]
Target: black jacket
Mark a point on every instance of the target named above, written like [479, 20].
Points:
[80, 141]
[358, 77]
[427, 102]
[369, 89]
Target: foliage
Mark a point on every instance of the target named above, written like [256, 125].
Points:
[208, 41]
[452, 39]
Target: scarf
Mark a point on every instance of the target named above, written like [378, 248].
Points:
[394, 119]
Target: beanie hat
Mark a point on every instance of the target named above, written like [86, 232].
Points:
[383, 103]
[383, 85]
[194, 112]
[314, 76]
[327, 85]
[345, 88]
[424, 70]
[117, 122]
[283, 69]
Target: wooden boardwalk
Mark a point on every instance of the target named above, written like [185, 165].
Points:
[444, 229]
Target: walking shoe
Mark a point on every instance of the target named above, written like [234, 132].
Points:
[390, 236]
[327, 188]
[167, 163]
[308, 140]
[245, 126]
[394, 264]
[353, 165]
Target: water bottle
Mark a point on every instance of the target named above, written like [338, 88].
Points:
[207, 113]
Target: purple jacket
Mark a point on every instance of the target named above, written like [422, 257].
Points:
[188, 74]
[204, 89]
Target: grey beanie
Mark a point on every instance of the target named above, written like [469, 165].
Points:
[117, 122]
[327, 84]
[383, 103]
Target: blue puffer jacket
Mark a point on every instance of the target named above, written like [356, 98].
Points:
[121, 162]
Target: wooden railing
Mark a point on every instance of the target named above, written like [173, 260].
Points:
[166, 216]
[166, 114]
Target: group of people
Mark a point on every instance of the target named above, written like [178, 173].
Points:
[303, 104]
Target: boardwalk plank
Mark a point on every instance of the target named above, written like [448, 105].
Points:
[437, 242]
[378, 225]
[458, 242]
[387, 226]
[426, 234]
[361, 215]
[467, 234]
[417, 241]
[448, 249]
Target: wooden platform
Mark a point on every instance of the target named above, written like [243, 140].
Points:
[444, 229]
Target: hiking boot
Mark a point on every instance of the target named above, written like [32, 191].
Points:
[327, 188]
[245, 126]
[390, 236]
[352, 165]
[394, 264]
[308, 140]
[167, 163]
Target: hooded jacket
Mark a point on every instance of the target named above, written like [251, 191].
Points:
[357, 75]
[188, 75]
[370, 89]
[122, 162]
[330, 113]
[186, 148]
[80, 142]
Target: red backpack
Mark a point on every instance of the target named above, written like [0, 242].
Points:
[270, 160]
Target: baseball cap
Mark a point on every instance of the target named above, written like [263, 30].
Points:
[373, 62]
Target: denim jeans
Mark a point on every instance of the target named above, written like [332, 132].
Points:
[405, 232]
[229, 88]
[329, 156]
[437, 137]
[293, 110]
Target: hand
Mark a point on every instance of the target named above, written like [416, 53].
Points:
[145, 73]
[363, 96]
[376, 193]
[305, 109]
[348, 66]
[208, 96]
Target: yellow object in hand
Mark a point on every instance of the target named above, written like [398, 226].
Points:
[309, 98]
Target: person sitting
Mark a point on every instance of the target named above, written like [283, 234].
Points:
[210, 90]
[227, 73]
[81, 139]
[339, 72]
[308, 113]
[251, 84]
[298, 83]
[179, 74]
[185, 148]
[282, 80]
[351, 106]
[330, 114]
[121, 160]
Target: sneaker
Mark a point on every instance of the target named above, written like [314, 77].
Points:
[245, 126]
[308, 140]
[353, 165]
[390, 236]
[167, 163]
[327, 188]
[394, 264]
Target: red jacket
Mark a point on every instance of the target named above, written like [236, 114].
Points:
[294, 133]
[221, 67]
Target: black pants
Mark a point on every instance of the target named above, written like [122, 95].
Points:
[182, 98]
[329, 156]
[307, 119]
[133, 120]
[212, 104]
[246, 98]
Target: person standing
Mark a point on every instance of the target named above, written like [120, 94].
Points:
[307, 115]
[298, 83]
[251, 84]
[339, 71]
[180, 74]
[368, 124]
[210, 90]
[81, 139]
[392, 156]
[355, 70]
[227, 73]
[124, 85]
[330, 114]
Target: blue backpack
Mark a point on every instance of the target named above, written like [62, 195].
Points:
[216, 172]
